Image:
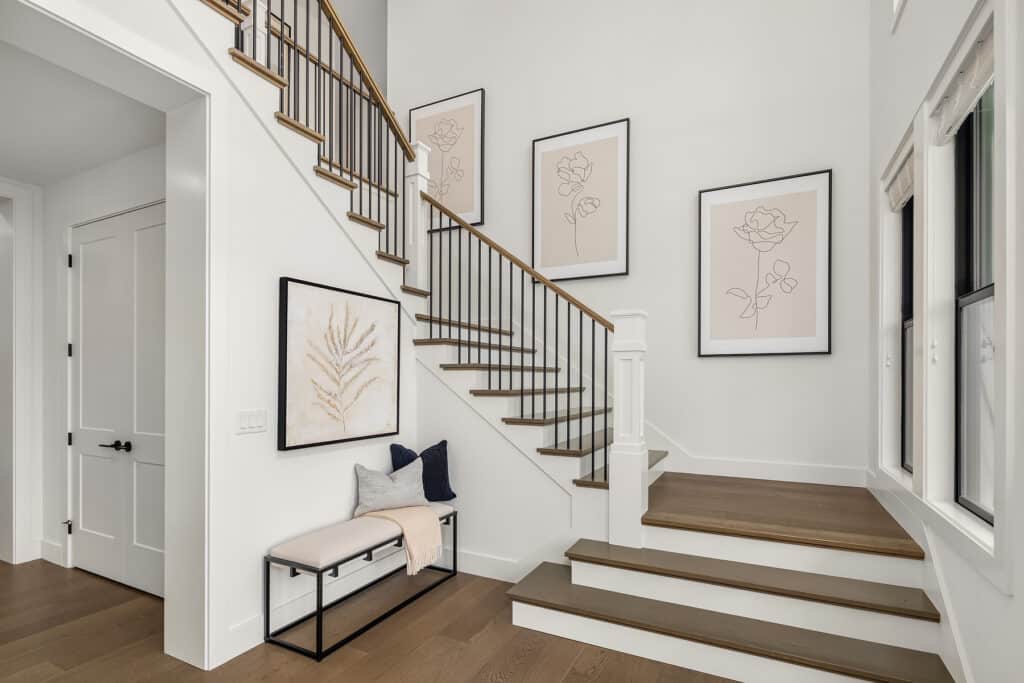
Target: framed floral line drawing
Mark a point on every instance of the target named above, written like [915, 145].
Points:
[581, 202]
[338, 365]
[764, 271]
[453, 128]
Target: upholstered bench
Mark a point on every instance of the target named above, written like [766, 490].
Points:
[324, 550]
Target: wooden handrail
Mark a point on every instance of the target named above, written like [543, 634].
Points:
[364, 71]
[519, 262]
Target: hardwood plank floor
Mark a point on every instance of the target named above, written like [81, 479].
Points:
[845, 517]
[67, 625]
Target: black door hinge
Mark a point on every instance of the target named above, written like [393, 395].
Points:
[69, 438]
[70, 260]
[69, 350]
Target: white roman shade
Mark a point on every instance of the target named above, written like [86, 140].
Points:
[965, 88]
[901, 187]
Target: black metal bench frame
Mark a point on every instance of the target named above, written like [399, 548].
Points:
[451, 519]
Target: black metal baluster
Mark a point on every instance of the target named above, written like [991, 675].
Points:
[580, 385]
[479, 299]
[511, 318]
[533, 339]
[500, 280]
[458, 328]
[490, 315]
[593, 387]
[557, 361]
[568, 372]
[544, 367]
[605, 392]
[522, 342]
[433, 292]
[305, 96]
[319, 68]
[450, 252]
[269, 26]
[294, 84]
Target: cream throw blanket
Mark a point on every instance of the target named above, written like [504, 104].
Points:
[422, 531]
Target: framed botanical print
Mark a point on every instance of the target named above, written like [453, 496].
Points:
[338, 365]
[581, 202]
[764, 283]
[453, 128]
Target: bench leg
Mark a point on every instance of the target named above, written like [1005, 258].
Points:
[266, 600]
[319, 616]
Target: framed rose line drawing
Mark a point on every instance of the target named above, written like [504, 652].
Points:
[764, 274]
[581, 202]
[338, 365]
[453, 128]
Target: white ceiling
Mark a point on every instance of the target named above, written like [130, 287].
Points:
[54, 123]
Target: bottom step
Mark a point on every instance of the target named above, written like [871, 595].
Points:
[547, 600]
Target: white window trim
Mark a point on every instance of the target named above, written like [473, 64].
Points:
[929, 493]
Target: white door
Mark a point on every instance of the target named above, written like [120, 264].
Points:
[117, 397]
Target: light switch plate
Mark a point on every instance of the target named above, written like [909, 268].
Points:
[252, 421]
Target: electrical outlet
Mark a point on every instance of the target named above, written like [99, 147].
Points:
[252, 421]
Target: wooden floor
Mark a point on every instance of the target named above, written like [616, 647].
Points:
[67, 625]
[845, 517]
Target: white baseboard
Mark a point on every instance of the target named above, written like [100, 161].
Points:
[681, 459]
[897, 571]
[52, 552]
[717, 661]
[492, 566]
[878, 627]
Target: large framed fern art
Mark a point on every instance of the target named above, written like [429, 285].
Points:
[338, 365]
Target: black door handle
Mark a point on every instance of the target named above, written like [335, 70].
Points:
[118, 446]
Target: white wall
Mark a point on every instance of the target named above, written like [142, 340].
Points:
[718, 93]
[265, 219]
[983, 619]
[367, 23]
[6, 380]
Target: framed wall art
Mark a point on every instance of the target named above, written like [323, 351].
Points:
[581, 202]
[338, 365]
[764, 283]
[453, 128]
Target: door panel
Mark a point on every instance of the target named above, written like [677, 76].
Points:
[117, 376]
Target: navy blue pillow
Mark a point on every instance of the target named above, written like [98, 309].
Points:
[436, 486]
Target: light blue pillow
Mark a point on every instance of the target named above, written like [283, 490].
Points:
[382, 491]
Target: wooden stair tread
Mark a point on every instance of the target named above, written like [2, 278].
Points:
[598, 479]
[415, 291]
[446, 341]
[257, 68]
[423, 317]
[391, 258]
[487, 367]
[550, 586]
[834, 590]
[368, 222]
[526, 391]
[842, 517]
[572, 447]
[334, 178]
[552, 418]
[300, 128]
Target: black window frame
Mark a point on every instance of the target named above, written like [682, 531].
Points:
[970, 289]
[907, 324]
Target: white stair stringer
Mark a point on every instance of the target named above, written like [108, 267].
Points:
[862, 624]
[262, 99]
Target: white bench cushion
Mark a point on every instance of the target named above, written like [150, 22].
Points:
[327, 545]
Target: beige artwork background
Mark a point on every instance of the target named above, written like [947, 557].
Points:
[373, 411]
[451, 136]
[733, 266]
[596, 233]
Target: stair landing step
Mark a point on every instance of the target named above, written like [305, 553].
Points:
[866, 595]
[446, 322]
[598, 479]
[445, 341]
[552, 418]
[840, 517]
[550, 586]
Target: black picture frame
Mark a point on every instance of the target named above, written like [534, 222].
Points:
[533, 199]
[483, 140]
[828, 280]
[282, 364]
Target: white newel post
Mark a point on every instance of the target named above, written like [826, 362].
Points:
[627, 459]
[255, 25]
[417, 213]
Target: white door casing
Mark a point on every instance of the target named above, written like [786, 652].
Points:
[117, 394]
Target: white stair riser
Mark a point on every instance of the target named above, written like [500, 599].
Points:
[889, 629]
[710, 659]
[865, 566]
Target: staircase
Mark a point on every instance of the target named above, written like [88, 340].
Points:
[747, 579]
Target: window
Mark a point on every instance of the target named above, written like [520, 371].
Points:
[907, 340]
[975, 363]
